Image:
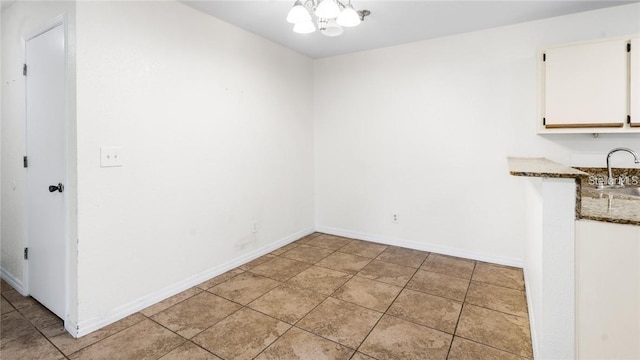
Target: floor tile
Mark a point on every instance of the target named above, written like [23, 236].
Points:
[499, 298]
[244, 288]
[305, 239]
[342, 322]
[5, 306]
[361, 356]
[387, 273]
[219, 279]
[449, 265]
[371, 294]
[364, 249]
[68, 345]
[145, 340]
[328, 242]
[242, 335]
[169, 302]
[308, 254]
[298, 344]
[335, 306]
[439, 284]
[39, 316]
[499, 275]
[30, 347]
[403, 256]
[14, 326]
[255, 262]
[463, 349]
[428, 310]
[189, 351]
[283, 249]
[343, 262]
[4, 286]
[195, 314]
[18, 301]
[319, 279]
[288, 303]
[281, 269]
[503, 331]
[394, 338]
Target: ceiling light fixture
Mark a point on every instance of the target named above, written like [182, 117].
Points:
[331, 16]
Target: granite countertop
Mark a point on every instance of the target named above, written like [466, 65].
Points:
[541, 167]
[591, 204]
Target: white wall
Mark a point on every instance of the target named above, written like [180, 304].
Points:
[216, 129]
[424, 129]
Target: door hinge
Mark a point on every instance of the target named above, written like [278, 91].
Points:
[25, 162]
[544, 57]
[628, 47]
[24, 69]
[26, 253]
[628, 119]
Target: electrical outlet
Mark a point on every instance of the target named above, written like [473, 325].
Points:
[254, 227]
[395, 218]
[110, 156]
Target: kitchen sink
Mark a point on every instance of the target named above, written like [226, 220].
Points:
[625, 190]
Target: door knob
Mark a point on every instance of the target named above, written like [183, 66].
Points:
[59, 188]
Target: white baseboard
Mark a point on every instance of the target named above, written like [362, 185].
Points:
[88, 326]
[12, 280]
[532, 320]
[411, 244]
[72, 328]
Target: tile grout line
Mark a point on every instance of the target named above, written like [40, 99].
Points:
[34, 325]
[273, 317]
[182, 343]
[190, 339]
[464, 301]
[169, 307]
[493, 347]
[43, 335]
[499, 311]
[390, 304]
[295, 324]
[500, 286]
[282, 283]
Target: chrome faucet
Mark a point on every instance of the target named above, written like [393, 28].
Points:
[636, 158]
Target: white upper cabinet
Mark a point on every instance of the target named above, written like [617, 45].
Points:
[586, 85]
[634, 95]
[591, 87]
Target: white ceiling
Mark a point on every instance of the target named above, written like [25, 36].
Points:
[391, 22]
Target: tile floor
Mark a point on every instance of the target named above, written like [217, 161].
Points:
[321, 297]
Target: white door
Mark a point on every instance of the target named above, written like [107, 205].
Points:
[46, 153]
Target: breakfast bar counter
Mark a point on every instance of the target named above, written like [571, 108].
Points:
[591, 204]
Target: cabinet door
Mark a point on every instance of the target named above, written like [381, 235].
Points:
[586, 85]
[634, 96]
[607, 290]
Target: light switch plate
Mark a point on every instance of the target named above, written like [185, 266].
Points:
[110, 156]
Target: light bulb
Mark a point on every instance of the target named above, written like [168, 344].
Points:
[298, 13]
[328, 9]
[332, 29]
[348, 17]
[304, 27]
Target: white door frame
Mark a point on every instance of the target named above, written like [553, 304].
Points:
[58, 21]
